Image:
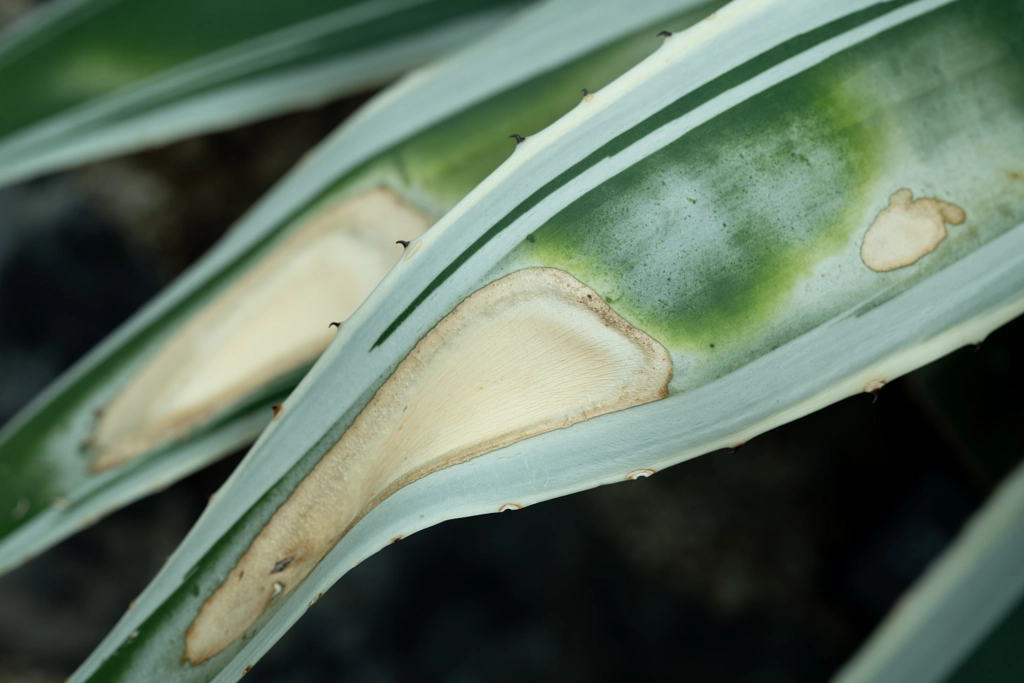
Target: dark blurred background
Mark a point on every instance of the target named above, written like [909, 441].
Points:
[771, 564]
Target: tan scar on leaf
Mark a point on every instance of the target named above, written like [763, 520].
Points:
[272, 321]
[907, 230]
[534, 351]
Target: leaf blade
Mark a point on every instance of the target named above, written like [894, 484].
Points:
[509, 78]
[895, 325]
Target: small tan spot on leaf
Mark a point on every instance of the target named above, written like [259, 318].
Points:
[413, 248]
[906, 230]
[508, 507]
[642, 473]
[874, 387]
[277, 410]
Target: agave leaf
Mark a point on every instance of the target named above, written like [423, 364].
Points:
[194, 375]
[81, 80]
[964, 619]
[785, 205]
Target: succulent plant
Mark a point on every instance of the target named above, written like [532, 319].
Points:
[785, 204]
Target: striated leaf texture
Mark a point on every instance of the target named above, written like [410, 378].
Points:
[193, 376]
[787, 204]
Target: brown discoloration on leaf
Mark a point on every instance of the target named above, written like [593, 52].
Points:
[566, 357]
[510, 507]
[642, 473]
[907, 230]
[266, 324]
[874, 387]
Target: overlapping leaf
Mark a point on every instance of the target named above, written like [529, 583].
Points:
[787, 204]
[195, 374]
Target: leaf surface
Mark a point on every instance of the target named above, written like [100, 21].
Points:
[193, 376]
[717, 198]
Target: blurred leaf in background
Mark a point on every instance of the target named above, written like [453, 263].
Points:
[86, 79]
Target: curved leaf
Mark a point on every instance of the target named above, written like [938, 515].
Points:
[716, 201]
[194, 375]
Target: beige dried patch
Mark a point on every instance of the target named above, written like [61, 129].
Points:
[534, 351]
[907, 230]
[274, 320]
[874, 385]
